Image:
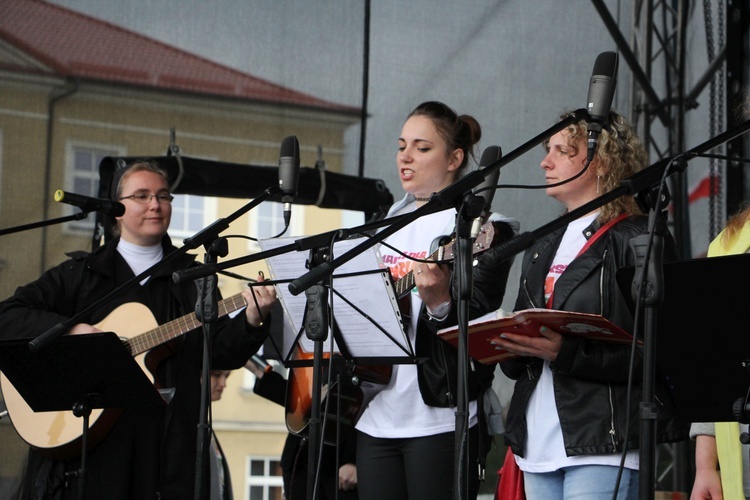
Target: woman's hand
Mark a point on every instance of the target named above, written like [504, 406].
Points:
[258, 307]
[546, 347]
[433, 282]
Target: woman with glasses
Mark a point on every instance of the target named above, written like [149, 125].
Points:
[146, 452]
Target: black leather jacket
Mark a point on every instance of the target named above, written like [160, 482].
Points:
[590, 377]
[436, 372]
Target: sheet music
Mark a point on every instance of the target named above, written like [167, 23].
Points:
[372, 293]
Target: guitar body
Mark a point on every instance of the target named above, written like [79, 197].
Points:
[348, 396]
[59, 433]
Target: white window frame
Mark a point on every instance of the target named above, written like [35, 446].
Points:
[209, 211]
[296, 224]
[84, 226]
[267, 480]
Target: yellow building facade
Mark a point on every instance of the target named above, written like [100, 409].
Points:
[48, 125]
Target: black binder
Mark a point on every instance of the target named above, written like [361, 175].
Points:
[703, 335]
[95, 369]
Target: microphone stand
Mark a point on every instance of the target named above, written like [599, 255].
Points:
[206, 311]
[316, 328]
[471, 208]
[34, 225]
[202, 237]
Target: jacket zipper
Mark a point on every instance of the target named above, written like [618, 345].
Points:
[601, 284]
[531, 301]
[612, 433]
[448, 394]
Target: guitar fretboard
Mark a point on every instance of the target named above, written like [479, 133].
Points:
[406, 283]
[168, 331]
[484, 240]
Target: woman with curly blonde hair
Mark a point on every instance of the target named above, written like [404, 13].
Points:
[567, 424]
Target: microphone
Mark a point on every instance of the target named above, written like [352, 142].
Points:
[489, 156]
[89, 204]
[601, 93]
[261, 363]
[288, 174]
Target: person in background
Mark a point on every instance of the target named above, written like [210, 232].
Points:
[221, 481]
[273, 386]
[721, 460]
[148, 452]
[406, 435]
[567, 417]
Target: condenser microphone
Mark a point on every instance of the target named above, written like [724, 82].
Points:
[288, 174]
[599, 101]
[486, 189]
[89, 204]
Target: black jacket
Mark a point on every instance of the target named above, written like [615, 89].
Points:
[148, 450]
[589, 377]
[437, 368]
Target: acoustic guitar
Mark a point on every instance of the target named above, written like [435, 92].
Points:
[58, 433]
[358, 383]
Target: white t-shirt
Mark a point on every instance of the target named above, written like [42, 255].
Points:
[544, 447]
[398, 410]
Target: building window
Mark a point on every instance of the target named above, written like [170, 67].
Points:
[264, 480]
[190, 214]
[82, 177]
[269, 219]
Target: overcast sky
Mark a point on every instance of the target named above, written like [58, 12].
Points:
[513, 64]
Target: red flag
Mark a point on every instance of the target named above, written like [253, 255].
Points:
[702, 188]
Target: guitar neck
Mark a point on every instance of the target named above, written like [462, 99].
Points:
[444, 252]
[406, 283]
[168, 331]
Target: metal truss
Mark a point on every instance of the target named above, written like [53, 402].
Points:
[659, 105]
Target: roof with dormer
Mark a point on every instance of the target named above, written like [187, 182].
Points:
[38, 37]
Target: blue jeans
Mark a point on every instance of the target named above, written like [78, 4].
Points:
[581, 482]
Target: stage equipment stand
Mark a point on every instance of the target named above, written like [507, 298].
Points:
[318, 321]
[648, 290]
[470, 209]
[34, 225]
[316, 329]
[207, 313]
[78, 373]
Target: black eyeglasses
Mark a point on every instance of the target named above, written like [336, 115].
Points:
[145, 198]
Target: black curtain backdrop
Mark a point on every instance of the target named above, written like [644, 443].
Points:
[194, 176]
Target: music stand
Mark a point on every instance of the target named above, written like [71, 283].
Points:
[702, 343]
[365, 329]
[77, 373]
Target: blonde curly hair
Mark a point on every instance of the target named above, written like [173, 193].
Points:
[619, 154]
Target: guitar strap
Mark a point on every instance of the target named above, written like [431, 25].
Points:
[598, 234]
